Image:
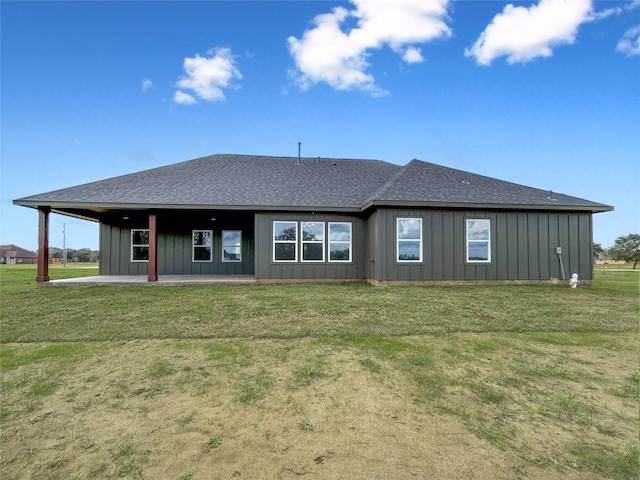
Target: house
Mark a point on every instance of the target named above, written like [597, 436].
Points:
[13, 255]
[292, 218]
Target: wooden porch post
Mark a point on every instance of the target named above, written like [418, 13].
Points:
[43, 245]
[153, 251]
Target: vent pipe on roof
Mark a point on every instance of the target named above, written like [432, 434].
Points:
[299, 145]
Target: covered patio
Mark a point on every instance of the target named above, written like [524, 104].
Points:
[143, 280]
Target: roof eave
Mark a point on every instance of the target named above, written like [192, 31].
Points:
[66, 208]
[486, 206]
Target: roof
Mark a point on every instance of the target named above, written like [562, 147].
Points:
[423, 183]
[250, 182]
[13, 251]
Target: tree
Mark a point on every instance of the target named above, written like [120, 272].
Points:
[597, 250]
[82, 255]
[627, 248]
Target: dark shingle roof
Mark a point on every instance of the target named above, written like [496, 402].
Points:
[260, 182]
[426, 183]
[14, 251]
[238, 180]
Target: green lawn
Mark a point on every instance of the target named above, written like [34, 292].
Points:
[330, 380]
[31, 313]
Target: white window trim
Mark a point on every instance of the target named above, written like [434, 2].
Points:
[329, 241]
[193, 247]
[399, 240]
[487, 241]
[294, 242]
[312, 242]
[224, 245]
[137, 245]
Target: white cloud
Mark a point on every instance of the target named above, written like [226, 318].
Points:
[413, 55]
[615, 10]
[146, 84]
[629, 44]
[207, 76]
[522, 34]
[329, 54]
[602, 14]
[183, 98]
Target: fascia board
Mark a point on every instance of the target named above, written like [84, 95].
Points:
[74, 214]
[487, 206]
[106, 206]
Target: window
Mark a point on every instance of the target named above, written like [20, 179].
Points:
[202, 245]
[478, 241]
[409, 239]
[312, 241]
[285, 241]
[339, 242]
[139, 245]
[231, 246]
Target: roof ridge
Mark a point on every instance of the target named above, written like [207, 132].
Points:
[392, 180]
[468, 177]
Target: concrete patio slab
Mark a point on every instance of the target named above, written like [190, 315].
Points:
[163, 280]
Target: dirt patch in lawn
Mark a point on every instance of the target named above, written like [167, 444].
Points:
[423, 407]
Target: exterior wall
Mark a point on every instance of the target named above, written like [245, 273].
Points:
[372, 267]
[523, 246]
[267, 269]
[18, 260]
[175, 244]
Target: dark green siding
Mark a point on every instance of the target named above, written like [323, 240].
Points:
[174, 245]
[371, 245]
[523, 246]
[267, 269]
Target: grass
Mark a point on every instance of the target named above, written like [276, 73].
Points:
[254, 387]
[517, 366]
[13, 358]
[214, 442]
[160, 369]
[15, 277]
[97, 313]
[123, 456]
[311, 370]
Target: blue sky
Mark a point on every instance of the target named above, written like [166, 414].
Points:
[543, 93]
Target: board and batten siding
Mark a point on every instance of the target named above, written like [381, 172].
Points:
[267, 269]
[175, 248]
[523, 246]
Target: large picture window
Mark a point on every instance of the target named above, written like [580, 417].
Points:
[202, 245]
[139, 245]
[231, 246]
[478, 240]
[315, 243]
[285, 241]
[312, 241]
[339, 242]
[409, 239]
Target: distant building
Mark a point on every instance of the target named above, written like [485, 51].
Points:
[14, 255]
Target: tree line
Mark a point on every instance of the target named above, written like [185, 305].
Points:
[80, 255]
[625, 248]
